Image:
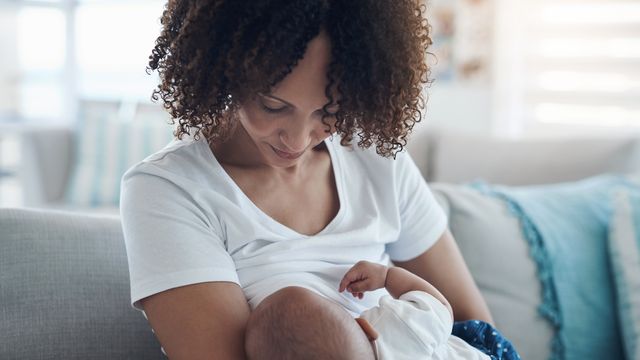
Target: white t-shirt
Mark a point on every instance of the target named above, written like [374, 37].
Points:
[416, 326]
[185, 221]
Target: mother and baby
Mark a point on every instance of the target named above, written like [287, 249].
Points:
[301, 228]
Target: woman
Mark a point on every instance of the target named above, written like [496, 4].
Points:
[305, 106]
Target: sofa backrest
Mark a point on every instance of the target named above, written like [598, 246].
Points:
[458, 158]
[64, 289]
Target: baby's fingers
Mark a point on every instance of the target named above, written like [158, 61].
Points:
[343, 284]
[349, 277]
[359, 286]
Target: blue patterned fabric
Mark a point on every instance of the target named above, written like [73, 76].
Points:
[484, 337]
[566, 227]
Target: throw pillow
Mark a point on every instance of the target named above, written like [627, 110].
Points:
[566, 227]
[624, 252]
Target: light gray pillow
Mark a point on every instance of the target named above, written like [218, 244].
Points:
[64, 289]
[491, 241]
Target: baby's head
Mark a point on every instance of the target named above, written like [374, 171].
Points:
[296, 323]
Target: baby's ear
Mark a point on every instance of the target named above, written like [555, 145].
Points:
[371, 333]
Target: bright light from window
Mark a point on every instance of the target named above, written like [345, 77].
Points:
[586, 115]
[114, 41]
[585, 47]
[582, 12]
[41, 40]
[581, 82]
[116, 36]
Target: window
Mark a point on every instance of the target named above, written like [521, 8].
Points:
[56, 53]
[568, 66]
[112, 55]
[72, 49]
[41, 59]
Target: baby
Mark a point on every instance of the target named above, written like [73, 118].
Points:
[415, 322]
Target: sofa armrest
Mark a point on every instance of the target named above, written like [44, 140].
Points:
[47, 157]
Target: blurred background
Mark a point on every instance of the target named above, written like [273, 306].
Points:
[502, 68]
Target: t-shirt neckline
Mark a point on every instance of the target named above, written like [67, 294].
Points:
[336, 169]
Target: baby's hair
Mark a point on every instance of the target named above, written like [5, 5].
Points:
[212, 55]
[297, 328]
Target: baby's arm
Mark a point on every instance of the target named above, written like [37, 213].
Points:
[367, 276]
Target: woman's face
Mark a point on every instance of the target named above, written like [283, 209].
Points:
[286, 124]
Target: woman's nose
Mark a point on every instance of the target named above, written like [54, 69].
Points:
[297, 136]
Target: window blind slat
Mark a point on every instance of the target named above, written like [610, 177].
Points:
[593, 99]
[584, 114]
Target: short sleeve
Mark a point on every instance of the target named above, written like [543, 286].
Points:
[422, 219]
[170, 241]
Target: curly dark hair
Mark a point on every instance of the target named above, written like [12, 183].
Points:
[212, 55]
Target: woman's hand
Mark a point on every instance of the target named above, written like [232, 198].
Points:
[364, 276]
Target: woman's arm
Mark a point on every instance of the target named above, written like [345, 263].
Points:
[200, 321]
[444, 267]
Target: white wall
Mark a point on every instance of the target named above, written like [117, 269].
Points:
[456, 106]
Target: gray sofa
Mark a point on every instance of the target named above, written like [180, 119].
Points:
[64, 290]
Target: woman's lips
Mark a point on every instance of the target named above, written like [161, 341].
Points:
[286, 155]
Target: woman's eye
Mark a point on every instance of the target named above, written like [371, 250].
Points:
[271, 110]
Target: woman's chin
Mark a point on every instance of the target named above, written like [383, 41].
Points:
[276, 159]
[285, 155]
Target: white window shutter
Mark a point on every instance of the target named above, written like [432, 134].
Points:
[572, 65]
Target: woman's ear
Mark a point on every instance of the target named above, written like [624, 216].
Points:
[372, 334]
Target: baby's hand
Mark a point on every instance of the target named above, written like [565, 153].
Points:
[364, 276]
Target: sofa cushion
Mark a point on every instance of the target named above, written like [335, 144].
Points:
[64, 289]
[491, 241]
[624, 255]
